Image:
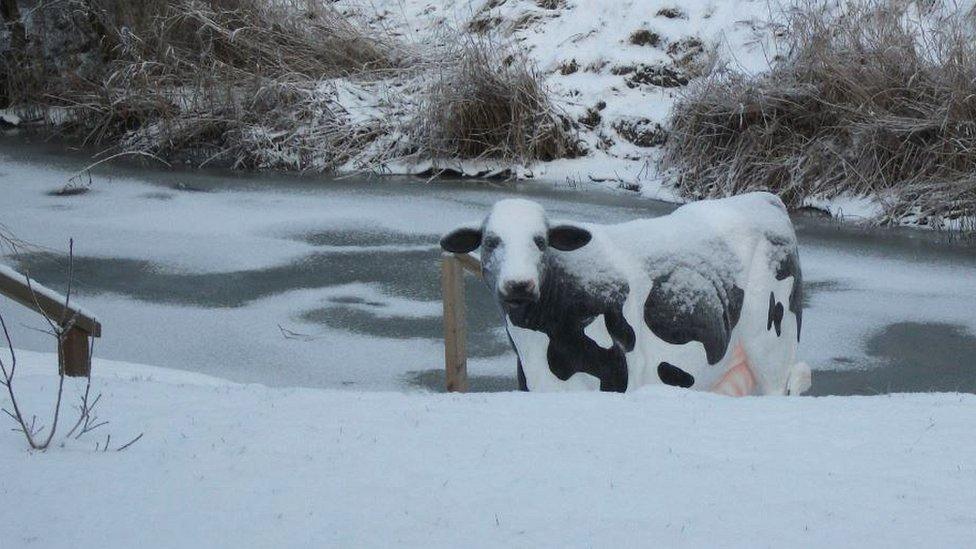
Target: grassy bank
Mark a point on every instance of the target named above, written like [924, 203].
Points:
[870, 98]
[875, 98]
[283, 84]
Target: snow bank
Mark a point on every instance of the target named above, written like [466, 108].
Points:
[226, 465]
[8, 118]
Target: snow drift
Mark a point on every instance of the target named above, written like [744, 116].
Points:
[226, 465]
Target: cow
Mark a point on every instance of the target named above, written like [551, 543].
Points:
[708, 297]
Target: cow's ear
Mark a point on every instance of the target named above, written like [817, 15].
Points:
[461, 240]
[567, 238]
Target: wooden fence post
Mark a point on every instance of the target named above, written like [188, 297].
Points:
[74, 351]
[74, 348]
[455, 324]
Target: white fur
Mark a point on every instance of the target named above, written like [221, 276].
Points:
[597, 331]
[532, 347]
[515, 221]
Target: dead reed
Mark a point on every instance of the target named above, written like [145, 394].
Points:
[487, 101]
[877, 97]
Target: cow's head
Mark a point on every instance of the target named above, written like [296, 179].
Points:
[514, 240]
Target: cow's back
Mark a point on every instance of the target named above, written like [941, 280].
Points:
[702, 279]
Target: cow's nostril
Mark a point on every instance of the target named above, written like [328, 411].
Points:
[519, 293]
[523, 287]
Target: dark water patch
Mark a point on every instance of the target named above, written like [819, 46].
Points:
[433, 380]
[158, 196]
[814, 287]
[189, 188]
[367, 237]
[355, 300]
[913, 357]
[410, 274]
[903, 243]
[483, 338]
[369, 323]
[413, 275]
[69, 191]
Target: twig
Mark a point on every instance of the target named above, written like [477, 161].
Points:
[289, 334]
[130, 443]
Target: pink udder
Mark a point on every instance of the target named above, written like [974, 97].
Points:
[738, 380]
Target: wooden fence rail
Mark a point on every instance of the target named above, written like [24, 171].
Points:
[75, 347]
[455, 321]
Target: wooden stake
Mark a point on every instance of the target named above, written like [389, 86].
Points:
[455, 324]
[74, 349]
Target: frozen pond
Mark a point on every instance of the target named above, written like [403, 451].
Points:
[291, 281]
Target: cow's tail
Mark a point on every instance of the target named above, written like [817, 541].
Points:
[800, 379]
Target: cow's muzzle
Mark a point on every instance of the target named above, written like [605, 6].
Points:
[515, 295]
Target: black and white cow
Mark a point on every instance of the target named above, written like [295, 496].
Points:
[708, 297]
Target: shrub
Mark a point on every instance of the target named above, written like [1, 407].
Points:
[875, 98]
[487, 101]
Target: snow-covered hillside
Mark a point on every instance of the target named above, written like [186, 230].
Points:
[615, 67]
[611, 73]
[226, 465]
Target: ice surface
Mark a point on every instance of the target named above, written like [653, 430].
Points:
[201, 281]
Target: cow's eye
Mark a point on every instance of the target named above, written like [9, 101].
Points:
[540, 242]
[492, 242]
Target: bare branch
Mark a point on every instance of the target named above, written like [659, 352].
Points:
[130, 443]
[290, 334]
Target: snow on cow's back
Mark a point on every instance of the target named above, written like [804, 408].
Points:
[694, 229]
[752, 212]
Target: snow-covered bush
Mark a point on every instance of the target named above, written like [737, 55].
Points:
[489, 101]
[876, 97]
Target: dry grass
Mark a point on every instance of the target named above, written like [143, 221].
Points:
[238, 81]
[873, 99]
[488, 102]
[257, 84]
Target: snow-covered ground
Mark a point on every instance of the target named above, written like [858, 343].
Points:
[202, 281]
[228, 465]
[198, 272]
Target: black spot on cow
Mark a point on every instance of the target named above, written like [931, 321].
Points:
[790, 267]
[775, 316]
[681, 313]
[674, 376]
[522, 384]
[519, 372]
[563, 311]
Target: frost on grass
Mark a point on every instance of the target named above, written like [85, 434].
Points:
[284, 84]
[875, 99]
[488, 101]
